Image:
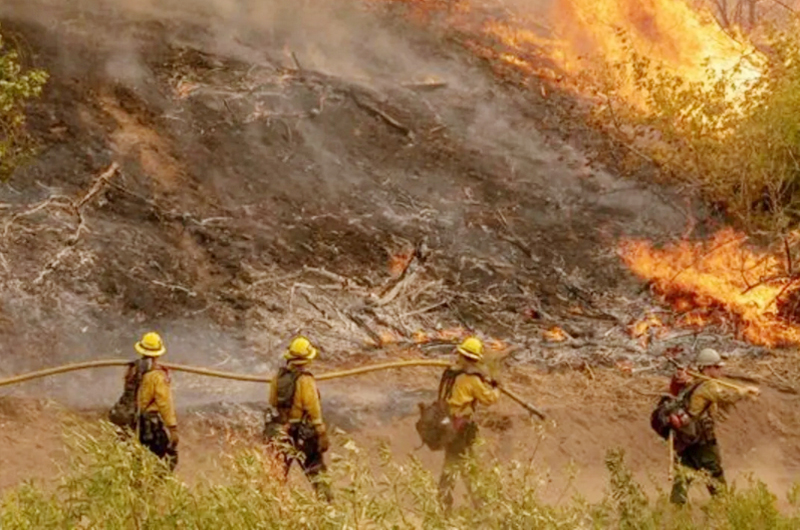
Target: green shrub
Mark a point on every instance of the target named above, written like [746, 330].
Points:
[17, 88]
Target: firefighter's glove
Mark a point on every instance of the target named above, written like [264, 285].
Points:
[173, 436]
[324, 443]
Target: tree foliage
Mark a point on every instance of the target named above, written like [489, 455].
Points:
[742, 152]
[17, 87]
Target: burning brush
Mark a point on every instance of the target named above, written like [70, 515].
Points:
[582, 38]
[723, 282]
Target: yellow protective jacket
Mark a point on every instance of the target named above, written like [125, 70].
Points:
[155, 395]
[705, 402]
[305, 404]
[469, 389]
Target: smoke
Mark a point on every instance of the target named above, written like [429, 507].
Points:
[337, 36]
[77, 331]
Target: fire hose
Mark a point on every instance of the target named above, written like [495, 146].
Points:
[252, 378]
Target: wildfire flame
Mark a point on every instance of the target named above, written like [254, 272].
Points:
[683, 40]
[399, 262]
[721, 281]
[582, 37]
[647, 328]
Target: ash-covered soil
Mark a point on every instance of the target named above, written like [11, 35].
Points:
[291, 166]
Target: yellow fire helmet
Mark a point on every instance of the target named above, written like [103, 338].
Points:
[151, 345]
[300, 349]
[471, 348]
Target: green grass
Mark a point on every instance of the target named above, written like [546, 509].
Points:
[113, 484]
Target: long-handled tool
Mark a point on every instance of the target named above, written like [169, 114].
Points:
[516, 398]
[671, 442]
[698, 375]
[719, 381]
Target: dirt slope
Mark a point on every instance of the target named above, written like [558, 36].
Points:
[587, 417]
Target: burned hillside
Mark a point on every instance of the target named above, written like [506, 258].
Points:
[271, 181]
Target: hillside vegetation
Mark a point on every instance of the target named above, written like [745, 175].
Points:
[742, 153]
[17, 86]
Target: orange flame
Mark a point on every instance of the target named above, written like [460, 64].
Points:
[649, 327]
[672, 34]
[583, 37]
[555, 334]
[720, 281]
[399, 262]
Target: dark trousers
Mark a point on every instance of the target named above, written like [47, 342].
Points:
[300, 443]
[698, 457]
[153, 435]
[455, 453]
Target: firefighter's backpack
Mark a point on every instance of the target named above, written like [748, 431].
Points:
[670, 414]
[123, 413]
[435, 426]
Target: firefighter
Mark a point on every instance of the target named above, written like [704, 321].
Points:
[124, 412]
[463, 386]
[295, 430]
[157, 423]
[696, 446]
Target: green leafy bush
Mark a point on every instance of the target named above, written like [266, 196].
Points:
[17, 88]
[116, 484]
[742, 152]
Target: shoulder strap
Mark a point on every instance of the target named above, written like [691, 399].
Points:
[287, 385]
[689, 392]
[446, 383]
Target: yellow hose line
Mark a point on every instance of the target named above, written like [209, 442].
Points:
[251, 378]
[211, 373]
[216, 373]
[382, 366]
[61, 370]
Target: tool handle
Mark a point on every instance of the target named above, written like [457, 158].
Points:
[719, 381]
[527, 406]
[698, 375]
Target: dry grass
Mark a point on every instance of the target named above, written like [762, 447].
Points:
[118, 485]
